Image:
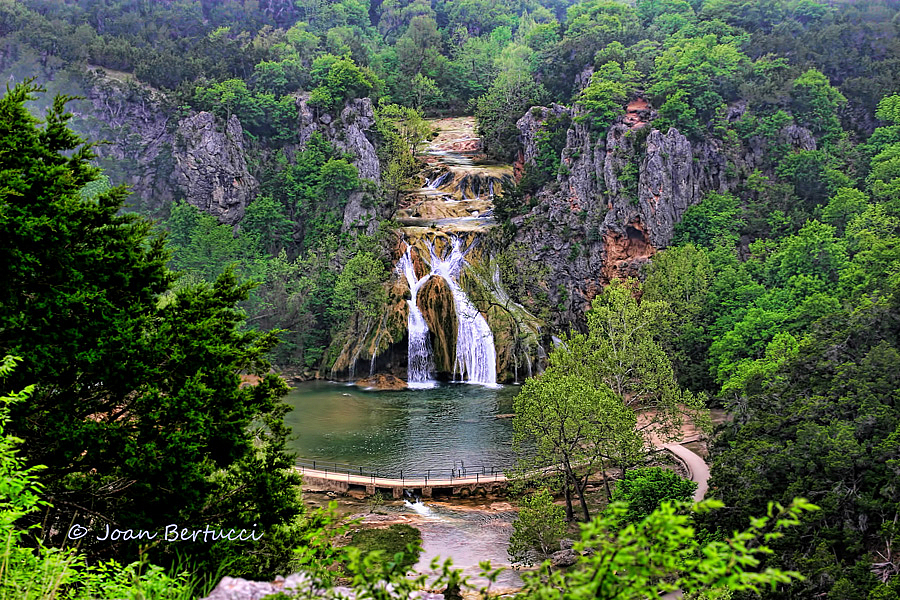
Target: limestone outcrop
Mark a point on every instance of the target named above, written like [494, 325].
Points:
[211, 168]
[618, 197]
[352, 132]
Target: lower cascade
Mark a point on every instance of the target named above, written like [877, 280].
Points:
[476, 357]
[420, 365]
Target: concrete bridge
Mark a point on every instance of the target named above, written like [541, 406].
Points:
[463, 482]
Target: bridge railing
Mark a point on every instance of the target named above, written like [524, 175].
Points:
[462, 474]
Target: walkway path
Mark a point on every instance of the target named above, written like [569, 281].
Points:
[401, 482]
[698, 470]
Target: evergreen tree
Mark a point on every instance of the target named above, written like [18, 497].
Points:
[138, 411]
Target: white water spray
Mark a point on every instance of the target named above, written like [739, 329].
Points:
[420, 364]
[438, 181]
[476, 358]
[418, 506]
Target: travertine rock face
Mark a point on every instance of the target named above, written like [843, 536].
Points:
[350, 133]
[211, 169]
[618, 197]
[435, 300]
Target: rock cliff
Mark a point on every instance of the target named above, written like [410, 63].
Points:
[351, 132]
[211, 167]
[202, 159]
[136, 126]
[617, 198]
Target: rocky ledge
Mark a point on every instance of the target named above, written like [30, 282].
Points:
[382, 381]
[298, 585]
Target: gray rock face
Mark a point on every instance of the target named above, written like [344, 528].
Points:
[350, 133]
[211, 170]
[135, 126]
[618, 198]
[564, 558]
[530, 124]
[200, 158]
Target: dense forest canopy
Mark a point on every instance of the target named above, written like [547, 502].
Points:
[777, 296]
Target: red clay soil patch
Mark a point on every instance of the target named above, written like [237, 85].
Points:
[250, 380]
[637, 113]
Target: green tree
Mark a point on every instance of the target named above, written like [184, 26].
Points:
[512, 93]
[137, 410]
[203, 247]
[682, 277]
[845, 204]
[620, 352]
[359, 290]
[645, 489]
[824, 420]
[815, 103]
[715, 220]
[576, 429]
[605, 96]
[662, 553]
[402, 130]
[267, 226]
[693, 78]
[540, 525]
[339, 80]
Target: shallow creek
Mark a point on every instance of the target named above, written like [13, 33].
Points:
[467, 531]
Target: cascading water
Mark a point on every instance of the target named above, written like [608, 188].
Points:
[420, 365]
[476, 358]
[438, 181]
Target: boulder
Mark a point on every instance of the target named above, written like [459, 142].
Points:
[564, 558]
[382, 381]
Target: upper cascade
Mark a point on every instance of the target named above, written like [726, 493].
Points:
[458, 184]
[435, 330]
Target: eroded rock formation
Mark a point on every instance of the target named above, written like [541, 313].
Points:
[618, 197]
[211, 168]
[352, 132]
[436, 304]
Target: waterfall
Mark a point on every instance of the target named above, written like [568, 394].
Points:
[476, 359]
[419, 365]
[438, 181]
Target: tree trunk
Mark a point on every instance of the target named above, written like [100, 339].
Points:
[605, 479]
[584, 507]
[569, 512]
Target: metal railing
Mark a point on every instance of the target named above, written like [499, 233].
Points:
[461, 474]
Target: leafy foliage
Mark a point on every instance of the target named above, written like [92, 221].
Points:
[645, 489]
[540, 525]
[661, 553]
